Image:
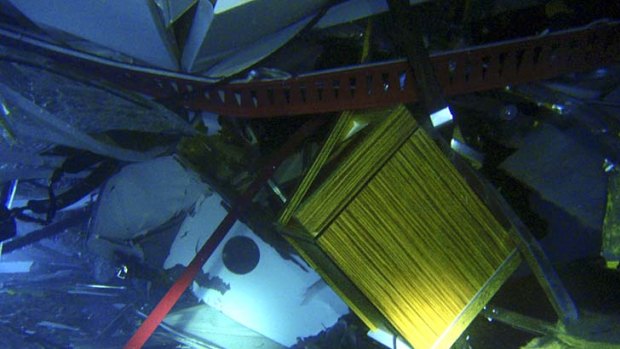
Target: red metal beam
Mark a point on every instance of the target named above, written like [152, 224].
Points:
[377, 85]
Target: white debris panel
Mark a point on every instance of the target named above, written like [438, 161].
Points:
[141, 197]
[277, 299]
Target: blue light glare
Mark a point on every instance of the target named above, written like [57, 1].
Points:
[441, 117]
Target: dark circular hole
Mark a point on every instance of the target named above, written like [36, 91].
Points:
[240, 255]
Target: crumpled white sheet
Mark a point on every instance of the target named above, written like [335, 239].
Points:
[141, 197]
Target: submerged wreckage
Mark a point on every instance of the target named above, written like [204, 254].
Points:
[309, 174]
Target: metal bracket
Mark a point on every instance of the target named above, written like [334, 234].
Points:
[529, 247]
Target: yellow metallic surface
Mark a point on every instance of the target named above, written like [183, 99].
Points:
[610, 248]
[415, 240]
[393, 227]
[338, 286]
[392, 128]
[339, 130]
[612, 265]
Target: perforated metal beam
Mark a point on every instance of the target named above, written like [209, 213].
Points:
[376, 85]
[380, 85]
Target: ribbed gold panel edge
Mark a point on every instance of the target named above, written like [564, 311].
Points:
[395, 129]
[340, 284]
[480, 300]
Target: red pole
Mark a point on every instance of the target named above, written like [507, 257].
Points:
[181, 284]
